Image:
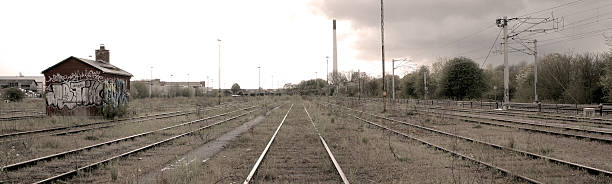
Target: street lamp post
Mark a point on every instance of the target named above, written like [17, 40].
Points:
[258, 80]
[219, 92]
[171, 89]
[151, 82]
[327, 69]
[188, 85]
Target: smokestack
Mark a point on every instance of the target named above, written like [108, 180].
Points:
[335, 71]
[102, 54]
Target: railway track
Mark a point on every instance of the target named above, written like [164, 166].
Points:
[63, 165]
[596, 134]
[510, 112]
[64, 130]
[31, 116]
[578, 133]
[522, 165]
[572, 120]
[289, 162]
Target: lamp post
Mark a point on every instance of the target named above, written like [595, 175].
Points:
[151, 82]
[188, 85]
[258, 80]
[171, 88]
[219, 92]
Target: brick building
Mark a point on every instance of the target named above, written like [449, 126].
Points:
[78, 86]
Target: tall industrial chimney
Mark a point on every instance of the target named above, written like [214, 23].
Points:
[102, 54]
[335, 73]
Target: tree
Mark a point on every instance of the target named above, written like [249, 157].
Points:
[408, 89]
[373, 87]
[140, 90]
[235, 88]
[13, 94]
[461, 78]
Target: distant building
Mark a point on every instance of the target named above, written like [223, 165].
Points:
[164, 88]
[30, 83]
[78, 86]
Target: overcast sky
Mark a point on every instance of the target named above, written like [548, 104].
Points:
[288, 39]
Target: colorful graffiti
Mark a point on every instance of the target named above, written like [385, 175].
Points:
[116, 93]
[74, 93]
[88, 75]
[85, 90]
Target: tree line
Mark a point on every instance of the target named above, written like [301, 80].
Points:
[584, 78]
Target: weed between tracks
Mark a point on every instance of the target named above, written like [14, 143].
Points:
[583, 152]
[387, 158]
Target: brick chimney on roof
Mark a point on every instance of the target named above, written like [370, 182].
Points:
[102, 54]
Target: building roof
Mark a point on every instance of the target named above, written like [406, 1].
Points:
[102, 66]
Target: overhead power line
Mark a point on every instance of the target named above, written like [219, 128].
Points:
[554, 7]
[494, 42]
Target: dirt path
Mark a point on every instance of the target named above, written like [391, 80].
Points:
[204, 152]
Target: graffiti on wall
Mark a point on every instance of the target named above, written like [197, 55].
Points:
[115, 91]
[76, 89]
[85, 90]
[88, 75]
[71, 94]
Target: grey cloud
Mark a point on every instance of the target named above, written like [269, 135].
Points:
[423, 29]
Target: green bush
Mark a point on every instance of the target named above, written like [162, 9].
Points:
[13, 94]
[110, 111]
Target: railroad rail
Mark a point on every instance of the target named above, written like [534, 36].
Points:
[329, 153]
[462, 156]
[590, 170]
[263, 154]
[583, 137]
[473, 119]
[95, 123]
[67, 132]
[13, 118]
[95, 165]
[542, 116]
[19, 165]
[515, 110]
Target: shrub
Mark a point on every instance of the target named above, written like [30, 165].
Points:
[13, 94]
[110, 112]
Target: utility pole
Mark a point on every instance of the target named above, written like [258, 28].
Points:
[382, 41]
[503, 23]
[219, 92]
[535, 71]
